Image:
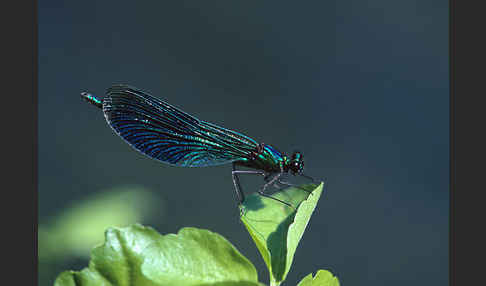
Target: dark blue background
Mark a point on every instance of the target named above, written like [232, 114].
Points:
[361, 87]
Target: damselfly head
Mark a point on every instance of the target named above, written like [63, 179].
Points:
[296, 164]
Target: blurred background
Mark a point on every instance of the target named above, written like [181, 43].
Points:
[360, 87]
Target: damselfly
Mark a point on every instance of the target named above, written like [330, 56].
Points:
[168, 134]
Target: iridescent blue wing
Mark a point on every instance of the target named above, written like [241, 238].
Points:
[165, 133]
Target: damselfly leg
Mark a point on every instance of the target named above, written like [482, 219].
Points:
[308, 177]
[269, 183]
[240, 196]
[239, 193]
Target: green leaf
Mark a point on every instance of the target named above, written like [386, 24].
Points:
[277, 228]
[140, 256]
[322, 278]
[80, 226]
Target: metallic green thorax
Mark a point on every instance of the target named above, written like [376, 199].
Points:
[269, 159]
[265, 158]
